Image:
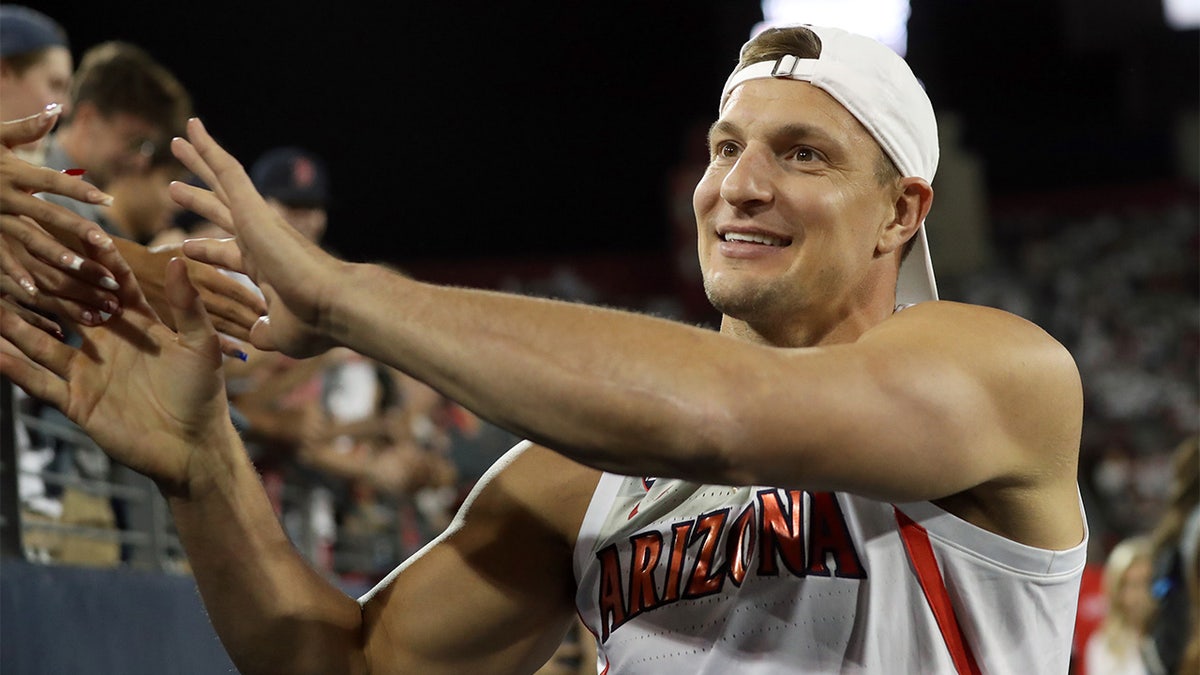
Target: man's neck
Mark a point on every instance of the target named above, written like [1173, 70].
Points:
[829, 326]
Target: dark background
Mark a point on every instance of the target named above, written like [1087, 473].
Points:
[469, 129]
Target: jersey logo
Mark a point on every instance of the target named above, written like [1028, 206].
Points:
[647, 483]
[769, 537]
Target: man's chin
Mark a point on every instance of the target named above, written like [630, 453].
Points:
[736, 300]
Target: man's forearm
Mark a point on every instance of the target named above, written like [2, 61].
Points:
[623, 385]
[272, 611]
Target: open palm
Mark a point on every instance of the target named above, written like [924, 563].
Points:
[149, 396]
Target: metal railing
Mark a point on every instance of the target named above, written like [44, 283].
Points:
[140, 532]
[130, 522]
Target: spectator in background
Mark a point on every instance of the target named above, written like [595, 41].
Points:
[35, 68]
[377, 432]
[1176, 549]
[382, 455]
[142, 205]
[124, 106]
[295, 182]
[1121, 645]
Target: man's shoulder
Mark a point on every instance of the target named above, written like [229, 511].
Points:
[943, 320]
[1001, 348]
[957, 311]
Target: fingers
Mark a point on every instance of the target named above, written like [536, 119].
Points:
[15, 272]
[232, 306]
[37, 243]
[190, 157]
[57, 220]
[224, 170]
[202, 202]
[129, 290]
[191, 321]
[46, 232]
[26, 374]
[33, 360]
[31, 317]
[230, 180]
[63, 308]
[51, 282]
[260, 335]
[29, 129]
[232, 348]
[219, 252]
[23, 178]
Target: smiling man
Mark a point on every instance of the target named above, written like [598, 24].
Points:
[849, 477]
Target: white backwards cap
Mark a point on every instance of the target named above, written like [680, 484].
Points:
[876, 85]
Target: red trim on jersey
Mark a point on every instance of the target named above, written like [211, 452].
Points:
[920, 552]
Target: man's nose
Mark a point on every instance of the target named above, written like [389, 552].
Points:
[751, 180]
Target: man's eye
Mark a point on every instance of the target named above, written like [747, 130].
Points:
[726, 149]
[804, 154]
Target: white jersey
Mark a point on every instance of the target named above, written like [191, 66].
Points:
[676, 577]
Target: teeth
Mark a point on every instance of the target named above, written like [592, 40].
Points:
[755, 238]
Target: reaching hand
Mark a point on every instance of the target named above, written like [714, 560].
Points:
[51, 257]
[295, 274]
[152, 398]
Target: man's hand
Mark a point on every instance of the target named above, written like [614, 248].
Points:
[152, 398]
[295, 274]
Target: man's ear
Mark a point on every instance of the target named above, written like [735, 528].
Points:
[913, 199]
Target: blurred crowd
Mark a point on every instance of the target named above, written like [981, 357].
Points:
[364, 464]
[1119, 288]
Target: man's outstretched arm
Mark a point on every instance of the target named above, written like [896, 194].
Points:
[939, 400]
[154, 400]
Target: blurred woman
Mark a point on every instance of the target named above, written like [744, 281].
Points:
[1121, 644]
[35, 67]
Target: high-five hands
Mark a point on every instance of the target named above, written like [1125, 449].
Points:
[153, 398]
[297, 276]
[54, 260]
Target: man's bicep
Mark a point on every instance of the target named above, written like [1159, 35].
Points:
[928, 404]
[495, 593]
[958, 398]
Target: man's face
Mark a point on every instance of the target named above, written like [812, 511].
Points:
[116, 144]
[790, 210]
[43, 83]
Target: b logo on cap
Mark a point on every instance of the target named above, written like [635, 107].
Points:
[304, 174]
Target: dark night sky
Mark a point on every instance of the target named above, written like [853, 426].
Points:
[468, 129]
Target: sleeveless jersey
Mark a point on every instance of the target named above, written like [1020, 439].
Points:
[677, 577]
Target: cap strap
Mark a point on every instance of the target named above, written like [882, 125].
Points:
[786, 67]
